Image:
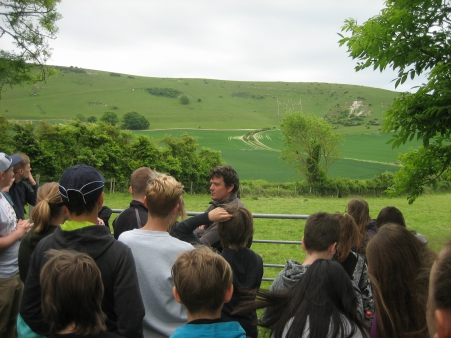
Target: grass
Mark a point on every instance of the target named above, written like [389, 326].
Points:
[364, 155]
[429, 216]
[94, 92]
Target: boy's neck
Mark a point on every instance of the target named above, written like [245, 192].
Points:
[310, 257]
[92, 217]
[157, 223]
[206, 315]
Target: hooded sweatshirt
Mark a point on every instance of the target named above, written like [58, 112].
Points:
[291, 273]
[122, 301]
[210, 329]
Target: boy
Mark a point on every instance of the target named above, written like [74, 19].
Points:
[321, 235]
[11, 231]
[20, 192]
[81, 189]
[204, 267]
[247, 266]
[135, 216]
[71, 277]
[155, 252]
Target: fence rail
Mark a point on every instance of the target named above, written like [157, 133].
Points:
[267, 241]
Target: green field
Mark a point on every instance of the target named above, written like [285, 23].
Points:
[429, 216]
[364, 155]
[229, 107]
[223, 104]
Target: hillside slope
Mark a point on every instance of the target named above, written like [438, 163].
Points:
[213, 103]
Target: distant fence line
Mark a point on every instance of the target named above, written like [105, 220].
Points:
[266, 241]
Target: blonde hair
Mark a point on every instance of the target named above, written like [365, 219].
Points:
[162, 195]
[202, 278]
[48, 206]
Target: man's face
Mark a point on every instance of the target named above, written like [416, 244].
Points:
[219, 191]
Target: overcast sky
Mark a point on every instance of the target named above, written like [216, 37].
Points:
[248, 40]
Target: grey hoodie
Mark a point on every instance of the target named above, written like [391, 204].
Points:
[291, 273]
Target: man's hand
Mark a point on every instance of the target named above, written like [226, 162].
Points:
[219, 215]
[31, 179]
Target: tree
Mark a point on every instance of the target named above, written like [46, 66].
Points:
[412, 37]
[29, 23]
[310, 144]
[110, 118]
[134, 121]
[184, 99]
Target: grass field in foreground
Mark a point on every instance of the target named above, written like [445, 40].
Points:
[429, 215]
[364, 155]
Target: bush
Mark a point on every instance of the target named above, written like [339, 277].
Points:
[110, 118]
[184, 99]
[134, 121]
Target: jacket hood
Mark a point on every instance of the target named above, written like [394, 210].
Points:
[292, 272]
[93, 240]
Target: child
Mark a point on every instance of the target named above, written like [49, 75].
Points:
[70, 277]
[439, 301]
[155, 252]
[203, 283]
[247, 266]
[321, 235]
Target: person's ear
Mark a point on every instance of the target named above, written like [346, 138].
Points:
[443, 319]
[145, 202]
[228, 294]
[331, 249]
[130, 190]
[176, 295]
[100, 200]
[229, 189]
[303, 244]
[175, 211]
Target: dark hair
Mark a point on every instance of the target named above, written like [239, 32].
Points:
[22, 164]
[360, 211]
[78, 206]
[237, 230]
[72, 292]
[48, 206]
[390, 215]
[349, 236]
[321, 230]
[324, 296]
[228, 174]
[201, 278]
[139, 180]
[442, 279]
[399, 266]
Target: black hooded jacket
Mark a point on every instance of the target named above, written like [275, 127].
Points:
[122, 301]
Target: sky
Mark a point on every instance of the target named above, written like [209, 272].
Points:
[244, 40]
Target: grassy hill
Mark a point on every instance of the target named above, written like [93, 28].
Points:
[213, 103]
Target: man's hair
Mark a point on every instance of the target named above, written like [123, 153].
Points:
[77, 205]
[228, 174]
[238, 229]
[22, 164]
[202, 278]
[321, 230]
[390, 215]
[139, 180]
[162, 195]
[72, 292]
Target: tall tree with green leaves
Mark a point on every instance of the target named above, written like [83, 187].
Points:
[29, 24]
[412, 37]
[310, 143]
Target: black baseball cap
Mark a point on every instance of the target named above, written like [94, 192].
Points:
[83, 179]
